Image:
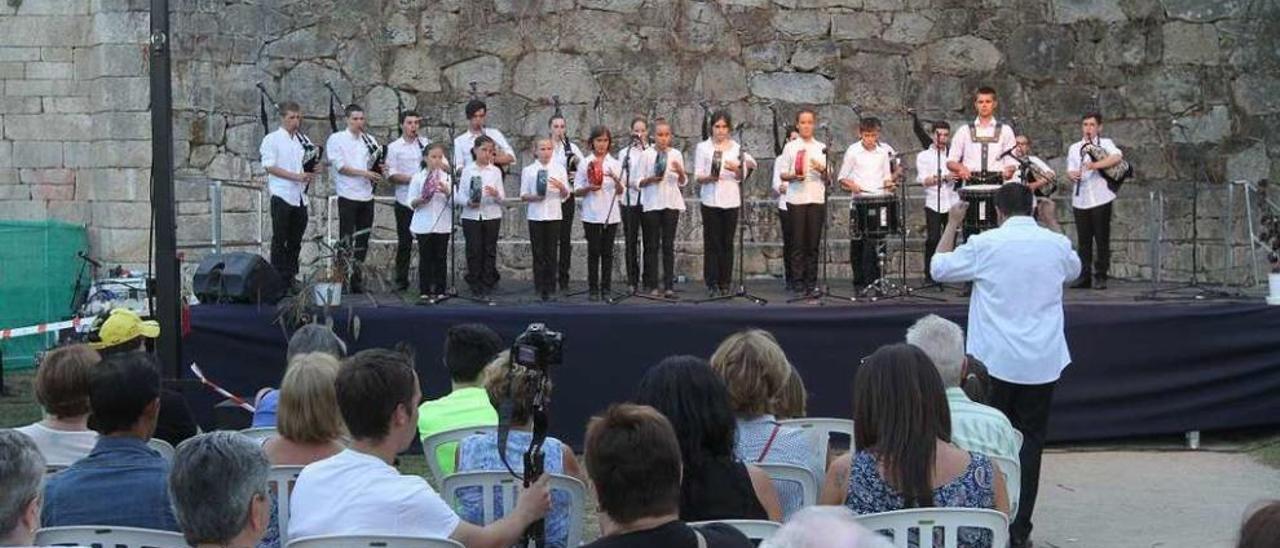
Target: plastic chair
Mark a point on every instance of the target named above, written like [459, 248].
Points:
[161, 447]
[823, 427]
[96, 536]
[432, 442]
[924, 520]
[373, 541]
[280, 482]
[51, 469]
[260, 433]
[754, 529]
[508, 486]
[1012, 472]
[790, 473]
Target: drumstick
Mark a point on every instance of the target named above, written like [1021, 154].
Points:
[237, 399]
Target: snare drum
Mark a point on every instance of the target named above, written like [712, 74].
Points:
[874, 216]
[982, 207]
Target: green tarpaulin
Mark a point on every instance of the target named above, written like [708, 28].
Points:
[38, 268]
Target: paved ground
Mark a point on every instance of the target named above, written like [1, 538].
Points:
[1148, 499]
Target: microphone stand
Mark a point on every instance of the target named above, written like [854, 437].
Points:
[452, 292]
[634, 290]
[747, 209]
[824, 289]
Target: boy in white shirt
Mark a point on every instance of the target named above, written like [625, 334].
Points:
[867, 170]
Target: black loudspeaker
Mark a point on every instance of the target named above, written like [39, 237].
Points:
[237, 277]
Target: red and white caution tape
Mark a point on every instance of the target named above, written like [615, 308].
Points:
[15, 332]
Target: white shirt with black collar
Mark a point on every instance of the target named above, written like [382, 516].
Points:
[474, 180]
[346, 149]
[967, 148]
[928, 162]
[548, 208]
[869, 169]
[664, 194]
[283, 150]
[811, 189]
[463, 144]
[1092, 190]
[404, 157]
[600, 205]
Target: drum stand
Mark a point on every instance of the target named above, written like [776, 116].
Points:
[883, 287]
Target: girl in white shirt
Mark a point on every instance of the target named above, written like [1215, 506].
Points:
[428, 196]
[662, 201]
[802, 182]
[543, 186]
[718, 169]
[481, 193]
[599, 183]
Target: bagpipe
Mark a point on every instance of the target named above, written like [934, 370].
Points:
[571, 160]
[377, 153]
[311, 152]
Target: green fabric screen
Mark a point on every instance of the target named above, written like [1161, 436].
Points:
[38, 268]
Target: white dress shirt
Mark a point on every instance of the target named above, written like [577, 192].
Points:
[634, 172]
[353, 493]
[869, 169]
[548, 208]
[966, 149]
[405, 158]
[664, 194]
[726, 191]
[283, 150]
[1092, 190]
[810, 190]
[431, 217]
[600, 206]
[927, 163]
[490, 206]
[346, 149]
[462, 145]
[1015, 314]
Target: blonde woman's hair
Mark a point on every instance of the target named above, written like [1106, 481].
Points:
[517, 386]
[754, 368]
[308, 410]
[793, 400]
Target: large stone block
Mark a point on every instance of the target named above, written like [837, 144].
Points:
[305, 84]
[24, 210]
[118, 245]
[703, 28]
[110, 60]
[803, 23]
[486, 71]
[1191, 44]
[107, 154]
[381, 107]
[53, 7]
[542, 74]
[48, 127]
[793, 87]
[1073, 11]
[44, 88]
[58, 55]
[909, 28]
[42, 30]
[113, 184]
[414, 69]
[43, 70]
[1202, 11]
[229, 167]
[590, 31]
[19, 54]
[37, 154]
[69, 211]
[130, 27]
[766, 56]
[302, 44]
[722, 80]
[20, 105]
[1213, 126]
[120, 94]
[65, 105]
[958, 56]
[1250, 164]
[1257, 93]
[619, 6]
[400, 30]
[122, 125]
[856, 26]
[1040, 52]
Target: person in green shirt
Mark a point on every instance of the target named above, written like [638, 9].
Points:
[468, 348]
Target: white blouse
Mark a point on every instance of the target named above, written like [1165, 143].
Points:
[811, 189]
[474, 177]
[548, 208]
[431, 217]
[600, 205]
[664, 194]
[726, 191]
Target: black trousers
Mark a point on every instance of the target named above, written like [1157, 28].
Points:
[784, 223]
[1093, 228]
[864, 259]
[433, 259]
[355, 216]
[934, 222]
[719, 228]
[660, 234]
[632, 218]
[1027, 407]
[288, 223]
[404, 243]
[482, 253]
[806, 239]
[564, 242]
[600, 255]
[543, 241]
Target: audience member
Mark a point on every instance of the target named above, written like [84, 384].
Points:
[755, 370]
[716, 485]
[793, 401]
[122, 482]
[468, 348]
[21, 477]
[974, 427]
[824, 526]
[62, 389]
[308, 339]
[514, 385]
[1261, 527]
[124, 331]
[904, 457]
[219, 490]
[633, 458]
[359, 492]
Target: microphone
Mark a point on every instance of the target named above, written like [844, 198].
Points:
[86, 258]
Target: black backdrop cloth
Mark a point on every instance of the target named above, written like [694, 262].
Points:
[1138, 369]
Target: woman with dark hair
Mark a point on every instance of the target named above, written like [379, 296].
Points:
[599, 185]
[716, 485]
[718, 168]
[905, 458]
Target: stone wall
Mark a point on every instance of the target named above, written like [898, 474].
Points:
[75, 125]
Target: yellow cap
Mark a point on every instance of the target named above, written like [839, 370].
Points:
[124, 325]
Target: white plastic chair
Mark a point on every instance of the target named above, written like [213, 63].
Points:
[434, 441]
[96, 536]
[373, 541]
[161, 447]
[280, 481]
[823, 428]
[790, 473]
[509, 486]
[754, 529]
[924, 520]
[260, 433]
[51, 469]
[1012, 472]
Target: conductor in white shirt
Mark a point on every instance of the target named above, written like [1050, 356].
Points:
[1015, 318]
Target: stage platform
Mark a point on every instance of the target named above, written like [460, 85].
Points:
[1139, 367]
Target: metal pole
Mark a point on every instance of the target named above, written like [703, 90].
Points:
[167, 270]
[215, 205]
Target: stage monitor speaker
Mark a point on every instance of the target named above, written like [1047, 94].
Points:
[237, 277]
